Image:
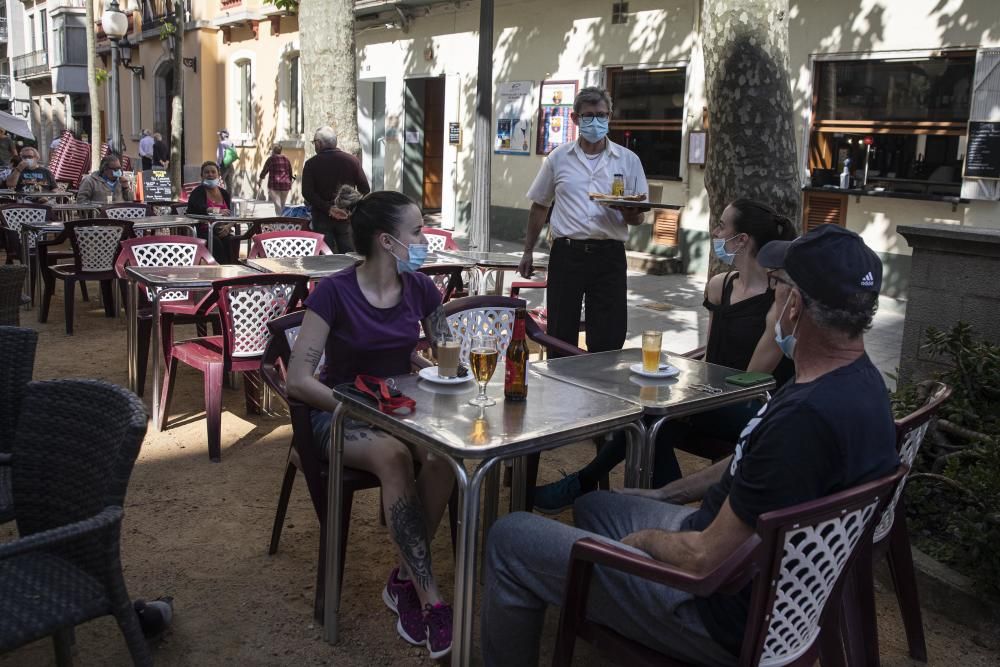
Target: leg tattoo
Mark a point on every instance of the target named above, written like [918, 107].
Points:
[406, 521]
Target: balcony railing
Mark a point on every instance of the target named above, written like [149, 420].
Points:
[3, 29]
[31, 64]
[229, 4]
[6, 92]
[156, 12]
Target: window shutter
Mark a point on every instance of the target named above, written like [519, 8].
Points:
[666, 223]
[985, 105]
[822, 209]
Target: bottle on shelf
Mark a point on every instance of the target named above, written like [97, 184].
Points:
[515, 381]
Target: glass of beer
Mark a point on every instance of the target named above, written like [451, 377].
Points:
[483, 361]
[447, 357]
[651, 343]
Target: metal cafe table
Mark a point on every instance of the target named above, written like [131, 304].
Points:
[556, 413]
[159, 279]
[84, 209]
[314, 266]
[28, 196]
[214, 220]
[699, 387]
[492, 262]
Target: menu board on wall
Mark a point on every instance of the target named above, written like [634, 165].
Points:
[513, 131]
[982, 156]
[554, 124]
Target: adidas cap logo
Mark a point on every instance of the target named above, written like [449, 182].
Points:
[868, 280]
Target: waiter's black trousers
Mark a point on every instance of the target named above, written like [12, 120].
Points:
[594, 270]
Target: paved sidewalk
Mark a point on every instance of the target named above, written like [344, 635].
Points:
[673, 304]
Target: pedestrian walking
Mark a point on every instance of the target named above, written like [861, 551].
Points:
[278, 170]
[146, 145]
[161, 152]
[226, 157]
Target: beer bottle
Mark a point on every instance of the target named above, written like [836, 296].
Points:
[515, 381]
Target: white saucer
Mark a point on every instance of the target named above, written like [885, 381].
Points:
[431, 375]
[666, 371]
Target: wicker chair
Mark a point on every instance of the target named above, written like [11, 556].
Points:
[17, 357]
[72, 458]
[11, 286]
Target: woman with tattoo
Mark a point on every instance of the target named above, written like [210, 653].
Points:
[366, 319]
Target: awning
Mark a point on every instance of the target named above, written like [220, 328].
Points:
[15, 125]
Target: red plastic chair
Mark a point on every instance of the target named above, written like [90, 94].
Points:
[176, 306]
[892, 540]
[95, 247]
[795, 561]
[246, 305]
[439, 239]
[540, 314]
[293, 243]
[245, 231]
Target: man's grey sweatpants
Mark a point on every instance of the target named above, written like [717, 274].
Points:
[527, 564]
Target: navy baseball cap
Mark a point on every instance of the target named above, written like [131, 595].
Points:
[830, 264]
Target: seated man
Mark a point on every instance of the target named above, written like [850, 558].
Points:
[106, 185]
[29, 175]
[828, 430]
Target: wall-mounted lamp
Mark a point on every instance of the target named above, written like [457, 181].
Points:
[191, 63]
[125, 56]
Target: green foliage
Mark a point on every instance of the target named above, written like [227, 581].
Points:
[101, 76]
[167, 28]
[288, 5]
[953, 498]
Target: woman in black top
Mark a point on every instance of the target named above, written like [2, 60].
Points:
[210, 198]
[740, 335]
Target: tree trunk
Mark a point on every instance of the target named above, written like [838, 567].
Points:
[751, 130]
[329, 72]
[93, 90]
[479, 224]
[177, 106]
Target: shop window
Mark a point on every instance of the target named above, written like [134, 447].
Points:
[901, 122]
[244, 100]
[296, 121]
[648, 116]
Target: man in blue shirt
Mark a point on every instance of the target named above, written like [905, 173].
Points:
[829, 430]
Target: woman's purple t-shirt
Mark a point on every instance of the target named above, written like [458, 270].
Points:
[363, 338]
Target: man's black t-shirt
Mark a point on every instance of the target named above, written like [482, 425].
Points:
[811, 440]
[38, 179]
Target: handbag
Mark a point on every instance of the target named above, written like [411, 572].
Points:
[389, 399]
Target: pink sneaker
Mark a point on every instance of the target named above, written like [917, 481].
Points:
[438, 621]
[401, 597]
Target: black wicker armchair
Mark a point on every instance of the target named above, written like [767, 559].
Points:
[72, 457]
[11, 287]
[17, 358]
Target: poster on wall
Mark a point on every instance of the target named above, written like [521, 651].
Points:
[554, 124]
[513, 131]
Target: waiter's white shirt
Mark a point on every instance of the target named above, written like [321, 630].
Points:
[566, 178]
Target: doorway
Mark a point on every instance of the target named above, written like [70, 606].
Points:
[423, 142]
[163, 102]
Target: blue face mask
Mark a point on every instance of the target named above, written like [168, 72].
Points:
[594, 130]
[117, 173]
[417, 253]
[719, 247]
[785, 343]
[211, 182]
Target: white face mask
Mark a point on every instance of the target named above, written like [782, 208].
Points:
[785, 343]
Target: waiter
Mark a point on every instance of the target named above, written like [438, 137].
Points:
[588, 248]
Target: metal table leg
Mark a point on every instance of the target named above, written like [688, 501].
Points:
[334, 526]
[155, 347]
[26, 261]
[639, 453]
[132, 335]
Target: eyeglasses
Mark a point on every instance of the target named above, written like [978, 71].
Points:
[588, 118]
[773, 280]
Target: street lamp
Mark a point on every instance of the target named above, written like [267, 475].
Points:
[115, 24]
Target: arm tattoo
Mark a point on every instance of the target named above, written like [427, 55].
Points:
[312, 356]
[406, 522]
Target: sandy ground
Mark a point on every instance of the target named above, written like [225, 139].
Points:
[199, 531]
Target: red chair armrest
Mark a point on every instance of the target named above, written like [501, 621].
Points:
[552, 344]
[517, 286]
[733, 572]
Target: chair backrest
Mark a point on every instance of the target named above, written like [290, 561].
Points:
[292, 243]
[910, 432]
[248, 303]
[14, 215]
[96, 242]
[73, 451]
[163, 251]
[178, 209]
[11, 289]
[125, 211]
[804, 552]
[439, 239]
[17, 359]
[473, 315]
[273, 369]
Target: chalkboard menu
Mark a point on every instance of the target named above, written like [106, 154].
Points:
[982, 157]
[156, 185]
